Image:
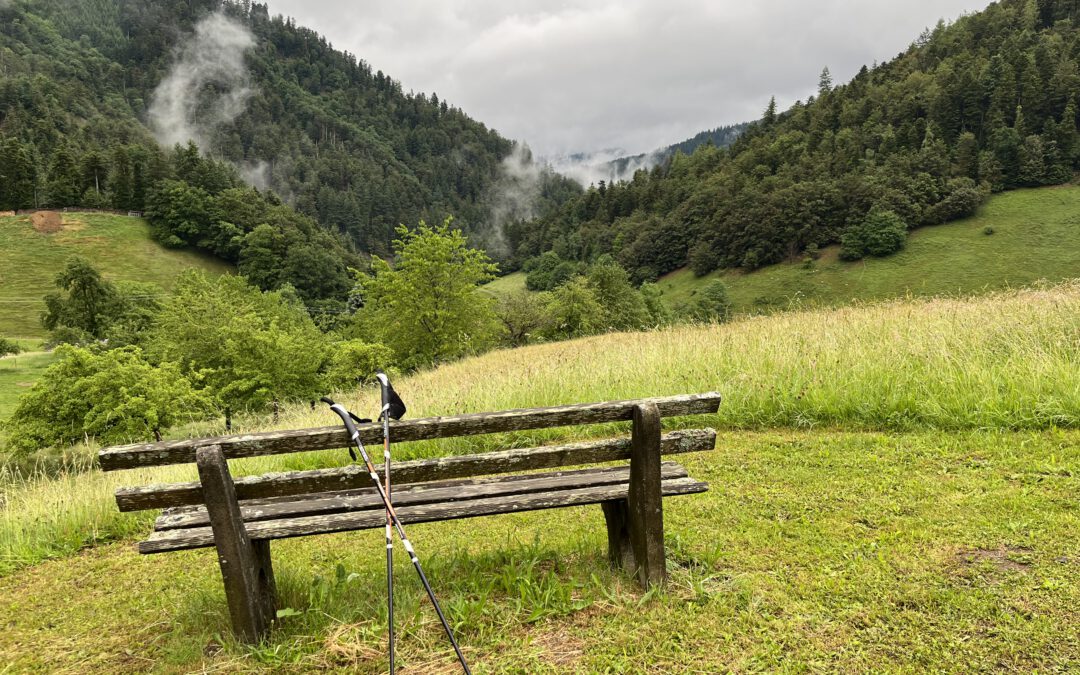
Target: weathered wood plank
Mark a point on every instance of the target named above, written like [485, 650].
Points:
[617, 519]
[267, 501]
[418, 471]
[201, 537]
[245, 568]
[645, 500]
[324, 438]
[423, 493]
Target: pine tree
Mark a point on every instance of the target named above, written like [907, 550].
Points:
[94, 173]
[62, 186]
[18, 176]
[1067, 139]
[122, 180]
[769, 118]
[824, 82]
[967, 156]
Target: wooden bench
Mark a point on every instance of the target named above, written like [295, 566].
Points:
[241, 516]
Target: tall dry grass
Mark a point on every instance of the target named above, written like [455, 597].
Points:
[1003, 361]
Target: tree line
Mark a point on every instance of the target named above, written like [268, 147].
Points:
[986, 104]
[134, 361]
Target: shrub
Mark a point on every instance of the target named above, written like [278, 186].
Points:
[355, 362]
[549, 271]
[711, 304]
[624, 308]
[9, 347]
[114, 396]
[575, 311]
[963, 200]
[659, 314]
[881, 233]
[704, 257]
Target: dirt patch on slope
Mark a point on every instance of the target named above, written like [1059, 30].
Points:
[1002, 559]
[47, 222]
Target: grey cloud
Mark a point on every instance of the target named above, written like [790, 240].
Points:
[584, 75]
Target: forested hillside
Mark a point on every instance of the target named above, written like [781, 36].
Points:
[721, 137]
[986, 104]
[95, 95]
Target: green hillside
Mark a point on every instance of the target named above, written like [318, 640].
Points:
[119, 246]
[1036, 235]
[984, 104]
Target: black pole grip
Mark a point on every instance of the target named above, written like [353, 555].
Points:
[384, 388]
[344, 415]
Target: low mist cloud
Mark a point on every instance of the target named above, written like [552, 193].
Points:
[514, 196]
[605, 165]
[208, 86]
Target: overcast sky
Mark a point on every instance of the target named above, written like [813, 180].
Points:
[580, 75]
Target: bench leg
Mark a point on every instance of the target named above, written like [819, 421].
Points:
[620, 552]
[245, 564]
[645, 498]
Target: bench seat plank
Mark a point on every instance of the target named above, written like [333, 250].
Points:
[416, 471]
[422, 493]
[201, 537]
[326, 438]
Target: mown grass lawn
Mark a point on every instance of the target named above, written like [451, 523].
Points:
[813, 551]
[119, 246]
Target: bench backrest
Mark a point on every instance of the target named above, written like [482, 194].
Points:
[350, 477]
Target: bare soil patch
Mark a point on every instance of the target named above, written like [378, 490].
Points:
[560, 646]
[47, 222]
[1003, 559]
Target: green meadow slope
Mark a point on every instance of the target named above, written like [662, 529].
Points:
[893, 490]
[1036, 235]
[119, 246]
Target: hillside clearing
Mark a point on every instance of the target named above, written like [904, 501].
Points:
[1004, 361]
[119, 246]
[1036, 236]
[840, 551]
[946, 544]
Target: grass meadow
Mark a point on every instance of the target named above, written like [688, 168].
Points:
[894, 489]
[119, 246]
[17, 374]
[1036, 236]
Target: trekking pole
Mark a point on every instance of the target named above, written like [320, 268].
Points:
[385, 414]
[354, 435]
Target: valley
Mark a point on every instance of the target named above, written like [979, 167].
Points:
[880, 276]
